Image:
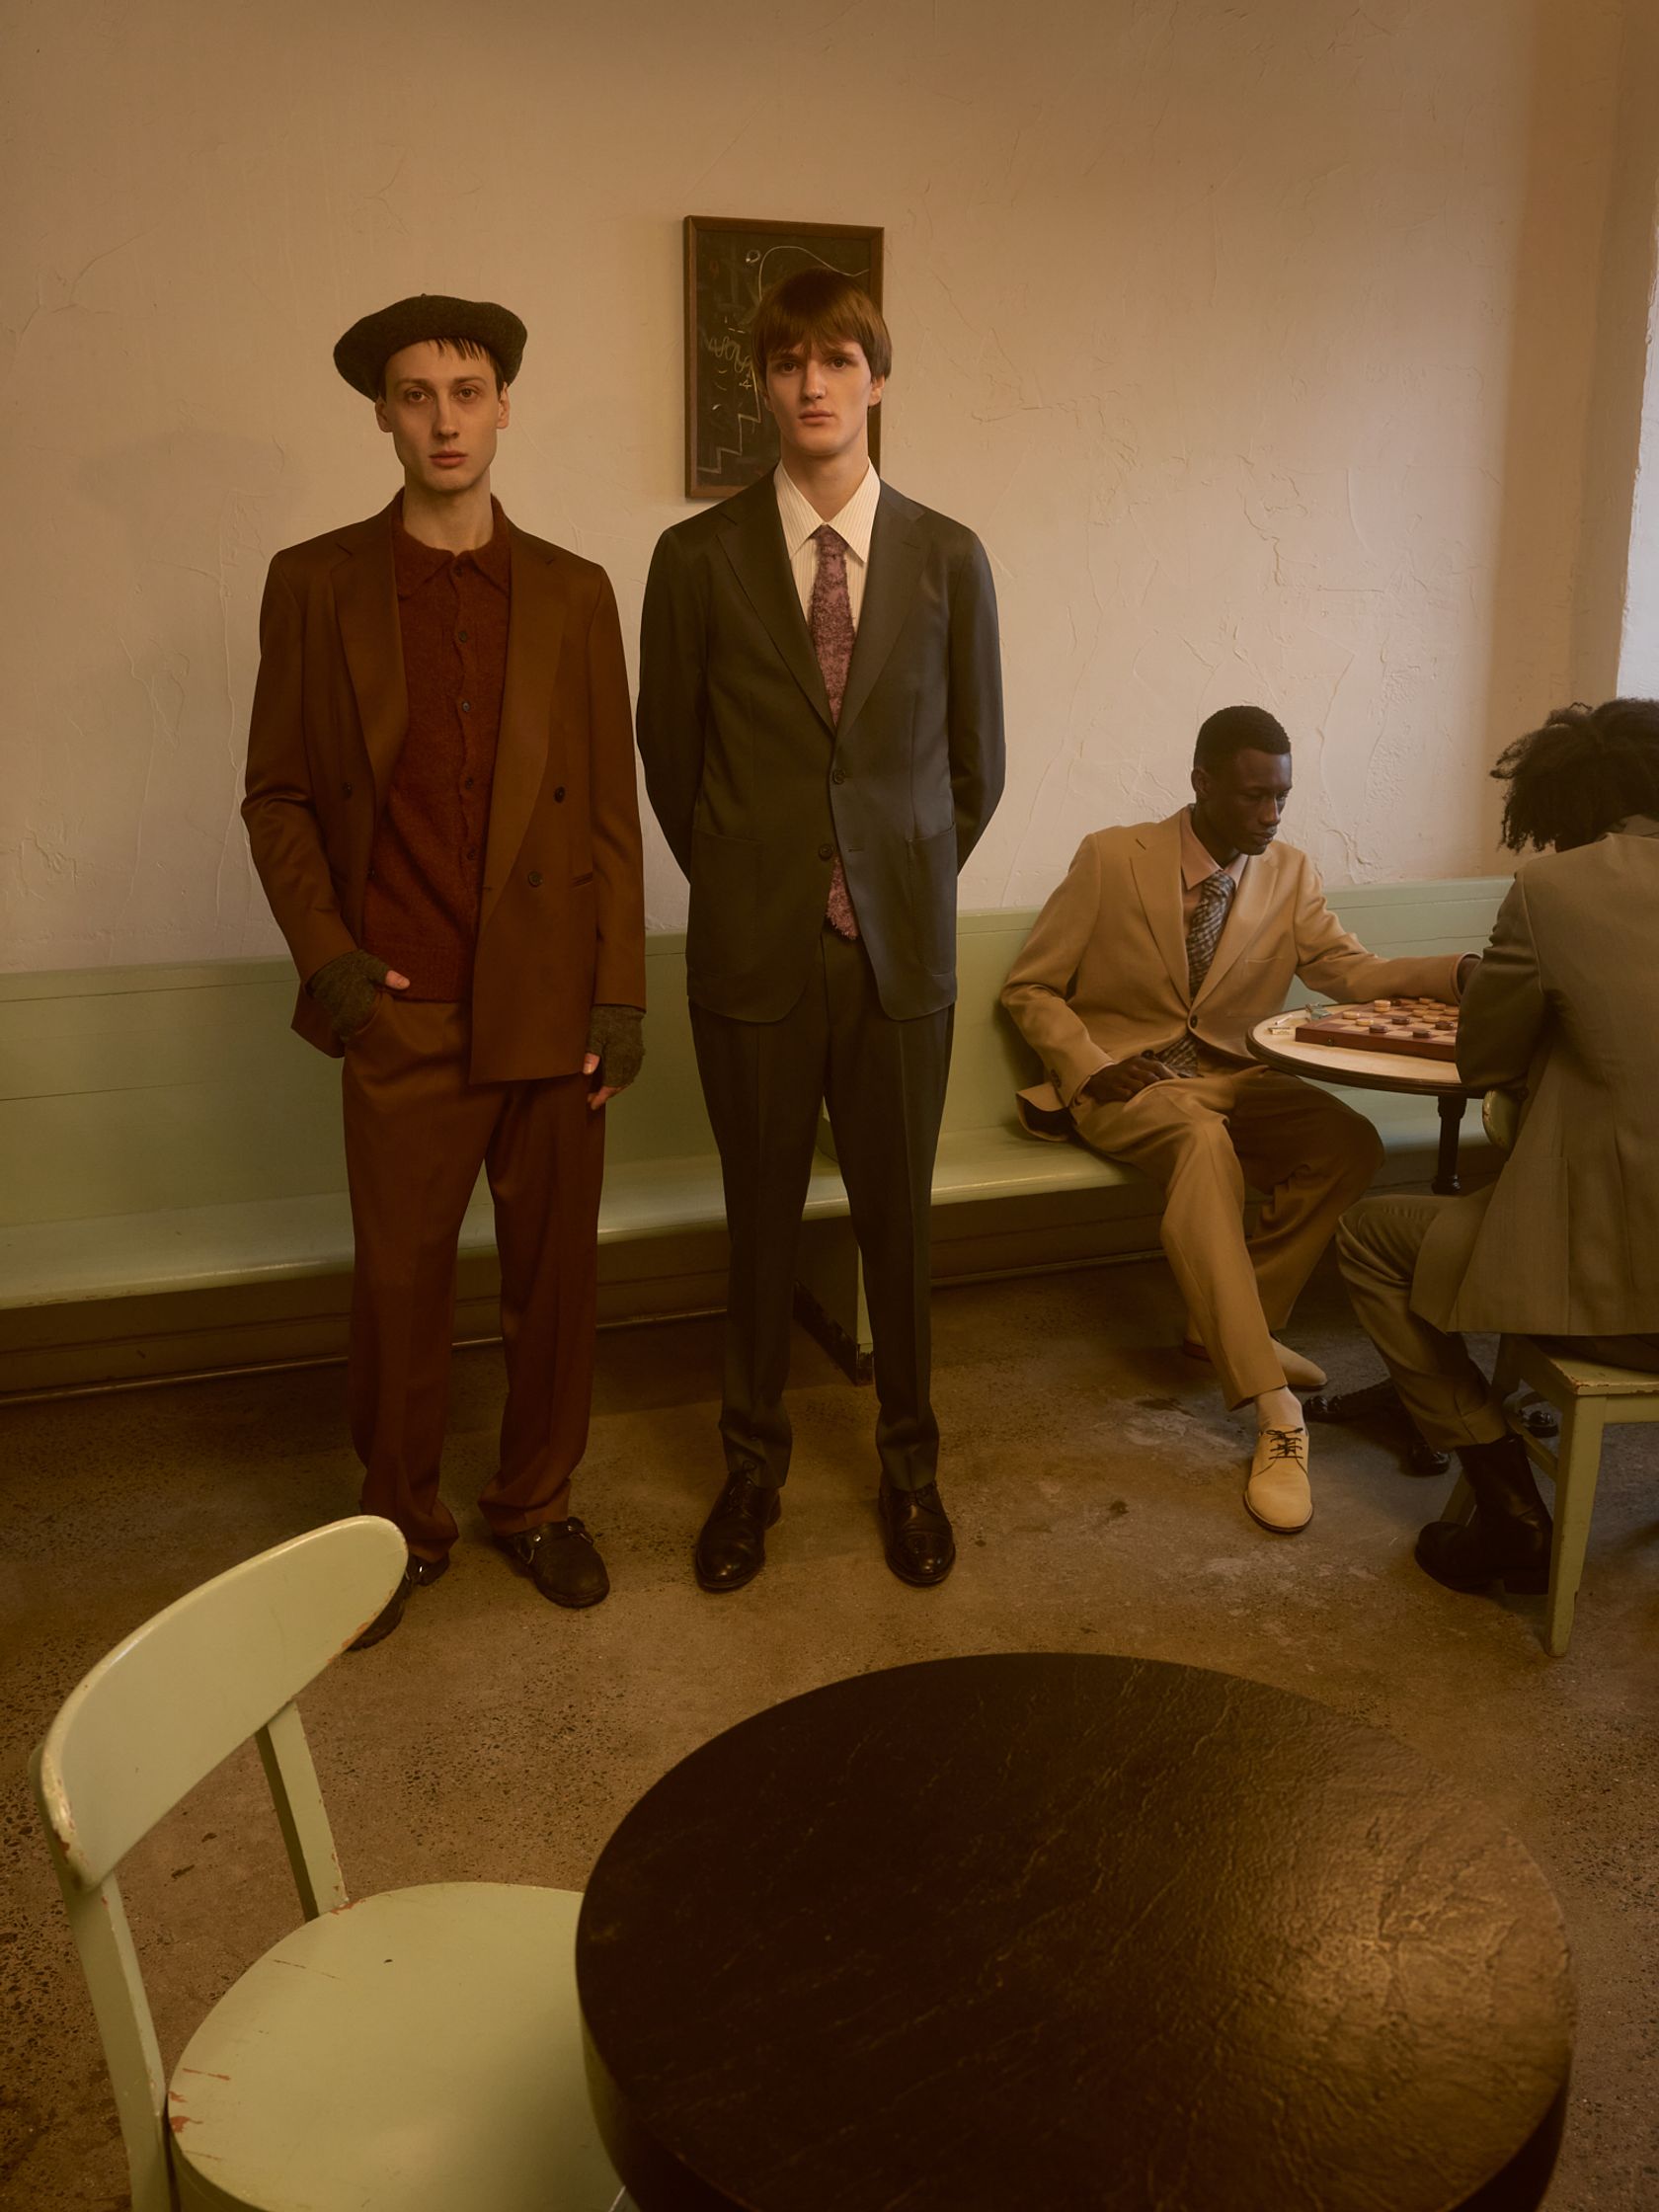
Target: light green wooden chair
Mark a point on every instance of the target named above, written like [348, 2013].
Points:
[419, 2051]
[1586, 1395]
[1588, 1398]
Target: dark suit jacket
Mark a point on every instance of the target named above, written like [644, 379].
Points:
[756, 788]
[561, 923]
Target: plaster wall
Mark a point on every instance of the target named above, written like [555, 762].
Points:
[1218, 322]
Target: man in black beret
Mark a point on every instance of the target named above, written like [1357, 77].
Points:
[442, 808]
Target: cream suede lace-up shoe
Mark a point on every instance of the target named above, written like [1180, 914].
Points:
[1277, 1492]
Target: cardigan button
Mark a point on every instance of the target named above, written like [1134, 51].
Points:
[559, 794]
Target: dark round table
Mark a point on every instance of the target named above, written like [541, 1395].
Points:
[1030, 1932]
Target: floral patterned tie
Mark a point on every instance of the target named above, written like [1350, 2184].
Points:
[1203, 934]
[830, 622]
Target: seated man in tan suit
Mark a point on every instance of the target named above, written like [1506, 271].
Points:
[1137, 988]
[1565, 1243]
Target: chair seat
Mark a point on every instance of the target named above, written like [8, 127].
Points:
[1588, 1379]
[417, 2051]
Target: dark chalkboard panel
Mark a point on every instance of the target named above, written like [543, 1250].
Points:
[730, 437]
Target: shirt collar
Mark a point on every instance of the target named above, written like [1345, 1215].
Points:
[1199, 863]
[800, 518]
[416, 564]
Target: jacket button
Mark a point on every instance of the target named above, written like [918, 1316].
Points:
[345, 790]
[826, 852]
[559, 794]
[838, 775]
[534, 879]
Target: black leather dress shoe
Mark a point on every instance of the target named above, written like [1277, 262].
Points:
[920, 1549]
[1508, 1540]
[417, 1574]
[732, 1542]
[562, 1561]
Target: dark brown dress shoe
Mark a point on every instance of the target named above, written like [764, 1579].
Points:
[1508, 1540]
[387, 1618]
[562, 1561]
[920, 1549]
[417, 1574]
[732, 1542]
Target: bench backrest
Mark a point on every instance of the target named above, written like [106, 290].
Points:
[142, 1091]
[138, 1090]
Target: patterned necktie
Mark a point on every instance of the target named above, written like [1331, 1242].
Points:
[1203, 934]
[830, 622]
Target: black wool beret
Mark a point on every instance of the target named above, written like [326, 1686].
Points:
[362, 353]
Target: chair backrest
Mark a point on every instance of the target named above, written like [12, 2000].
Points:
[157, 1715]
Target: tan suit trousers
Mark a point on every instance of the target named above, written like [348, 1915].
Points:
[1203, 1138]
[417, 1133]
[1378, 1243]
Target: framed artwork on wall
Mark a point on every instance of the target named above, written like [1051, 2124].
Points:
[730, 437]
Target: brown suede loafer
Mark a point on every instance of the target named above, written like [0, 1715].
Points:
[920, 1548]
[562, 1561]
[732, 1542]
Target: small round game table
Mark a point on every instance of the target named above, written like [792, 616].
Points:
[1274, 1042]
[1033, 1930]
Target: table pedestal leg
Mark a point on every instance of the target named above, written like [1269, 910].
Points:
[1446, 1182]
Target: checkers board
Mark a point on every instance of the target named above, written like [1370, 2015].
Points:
[1426, 1028]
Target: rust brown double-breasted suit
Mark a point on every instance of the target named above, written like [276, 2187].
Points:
[434, 1090]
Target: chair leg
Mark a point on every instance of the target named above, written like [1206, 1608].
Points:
[1578, 1461]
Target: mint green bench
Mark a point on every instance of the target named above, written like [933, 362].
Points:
[173, 1191]
[173, 1184]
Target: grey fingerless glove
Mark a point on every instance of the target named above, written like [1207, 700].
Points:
[617, 1034]
[347, 988]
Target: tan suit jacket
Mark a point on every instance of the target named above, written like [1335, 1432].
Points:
[1104, 971]
[1566, 1003]
[561, 923]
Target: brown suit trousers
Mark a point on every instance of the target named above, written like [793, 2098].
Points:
[417, 1133]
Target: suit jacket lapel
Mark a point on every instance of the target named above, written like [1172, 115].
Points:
[366, 606]
[1250, 905]
[895, 557]
[755, 547]
[1156, 867]
[534, 637]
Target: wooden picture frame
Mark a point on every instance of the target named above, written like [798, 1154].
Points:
[730, 437]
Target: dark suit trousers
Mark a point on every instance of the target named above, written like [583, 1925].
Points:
[884, 1082]
[417, 1133]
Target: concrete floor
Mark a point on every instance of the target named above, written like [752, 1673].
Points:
[1096, 1492]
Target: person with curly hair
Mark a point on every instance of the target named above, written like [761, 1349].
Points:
[1564, 1011]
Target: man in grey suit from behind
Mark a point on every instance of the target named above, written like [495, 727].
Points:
[1564, 1009]
[820, 720]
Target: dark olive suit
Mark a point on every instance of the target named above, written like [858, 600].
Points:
[757, 786]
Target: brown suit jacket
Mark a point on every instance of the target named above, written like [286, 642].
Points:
[1565, 1003]
[1104, 971]
[561, 923]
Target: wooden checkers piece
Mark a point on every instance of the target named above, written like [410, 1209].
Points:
[1426, 1028]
